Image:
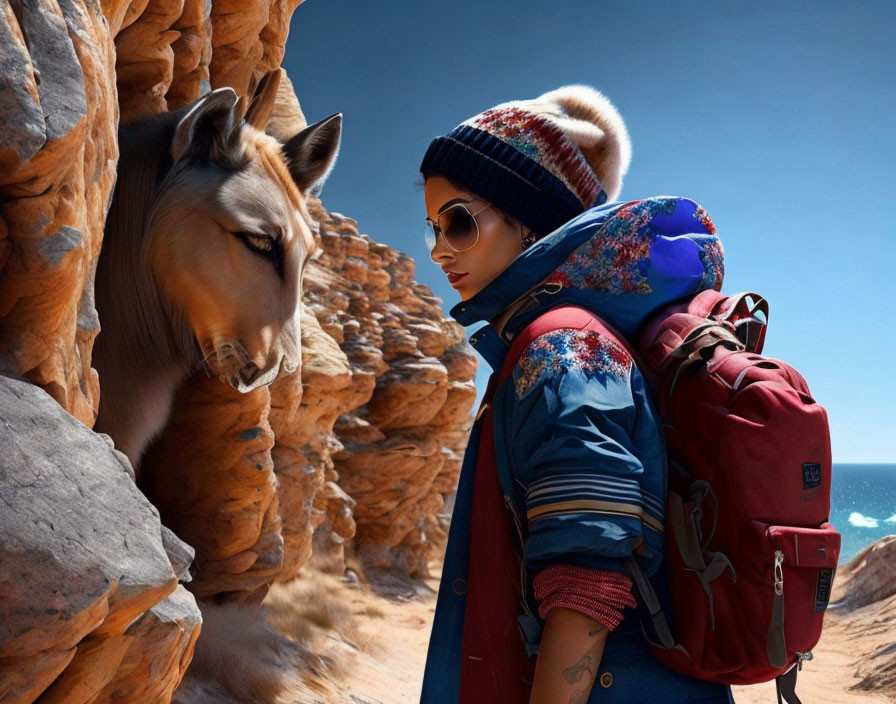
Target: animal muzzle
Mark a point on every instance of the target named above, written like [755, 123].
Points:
[251, 377]
[233, 365]
[249, 373]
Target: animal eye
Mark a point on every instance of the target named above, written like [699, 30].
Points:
[264, 245]
[262, 242]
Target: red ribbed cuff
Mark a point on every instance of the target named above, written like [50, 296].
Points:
[599, 594]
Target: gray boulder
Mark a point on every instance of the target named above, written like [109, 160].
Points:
[82, 558]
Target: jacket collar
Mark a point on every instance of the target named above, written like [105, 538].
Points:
[489, 344]
[517, 290]
[532, 266]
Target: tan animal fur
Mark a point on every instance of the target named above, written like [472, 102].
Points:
[181, 282]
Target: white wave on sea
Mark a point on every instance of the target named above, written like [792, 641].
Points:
[860, 521]
[891, 519]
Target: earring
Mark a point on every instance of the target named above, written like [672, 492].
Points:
[530, 239]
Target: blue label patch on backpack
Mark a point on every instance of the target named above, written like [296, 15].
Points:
[823, 588]
[811, 475]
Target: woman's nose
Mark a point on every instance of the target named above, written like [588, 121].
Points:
[441, 252]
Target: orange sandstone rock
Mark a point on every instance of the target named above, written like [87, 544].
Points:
[304, 407]
[144, 65]
[211, 476]
[58, 152]
[192, 54]
[412, 371]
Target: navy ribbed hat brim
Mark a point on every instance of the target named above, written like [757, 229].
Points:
[494, 170]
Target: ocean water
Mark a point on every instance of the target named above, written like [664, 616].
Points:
[863, 504]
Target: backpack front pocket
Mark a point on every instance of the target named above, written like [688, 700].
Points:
[791, 571]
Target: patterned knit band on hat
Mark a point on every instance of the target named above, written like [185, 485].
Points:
[542, 161]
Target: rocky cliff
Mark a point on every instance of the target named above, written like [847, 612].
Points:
[91, 600]
[865, 605]
[359, 447]
[397, 455]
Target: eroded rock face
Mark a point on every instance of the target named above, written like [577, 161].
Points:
[359, 447]
[304, 408]
[170, 630]
[402, 449]
[248, 39]
[864, 602]
[83, 562]
[58, 152]
[211, 476]
[869, 577]
[169, 51]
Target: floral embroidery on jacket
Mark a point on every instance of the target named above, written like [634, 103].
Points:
[585, 351]
[617, 258]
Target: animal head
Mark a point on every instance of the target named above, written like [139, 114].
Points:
[229, 233]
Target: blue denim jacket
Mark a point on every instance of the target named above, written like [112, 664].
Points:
[576, 431]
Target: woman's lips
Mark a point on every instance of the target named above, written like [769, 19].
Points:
[454, 278]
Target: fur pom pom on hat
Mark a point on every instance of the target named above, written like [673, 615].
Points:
[542, 161]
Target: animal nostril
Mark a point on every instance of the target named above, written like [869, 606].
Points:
[249, 372]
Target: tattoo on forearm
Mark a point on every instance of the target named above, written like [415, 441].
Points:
[576, 672]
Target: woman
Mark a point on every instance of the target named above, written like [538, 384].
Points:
[519, 200]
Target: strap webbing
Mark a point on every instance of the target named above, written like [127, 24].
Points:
[785, 686]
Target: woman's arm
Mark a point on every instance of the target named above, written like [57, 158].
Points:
[571, 443]
[568, 659]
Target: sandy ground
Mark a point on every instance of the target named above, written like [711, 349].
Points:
[828, 677]
[381, 660]
[392, 670]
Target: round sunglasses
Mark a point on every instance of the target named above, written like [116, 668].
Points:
[457, 225]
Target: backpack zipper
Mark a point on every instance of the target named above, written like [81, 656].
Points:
[779, 573]
[775, 648]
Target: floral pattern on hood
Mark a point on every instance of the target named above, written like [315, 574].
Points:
[624, 260]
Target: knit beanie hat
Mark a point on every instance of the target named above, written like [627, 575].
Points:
[542, 161]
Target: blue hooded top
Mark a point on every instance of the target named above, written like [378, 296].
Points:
[578, 441]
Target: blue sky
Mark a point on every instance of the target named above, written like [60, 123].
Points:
[777, 117]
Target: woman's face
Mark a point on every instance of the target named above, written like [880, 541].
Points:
[499, 242]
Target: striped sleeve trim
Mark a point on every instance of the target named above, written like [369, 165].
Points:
[585, 493]
[562, 484]
[606, 507]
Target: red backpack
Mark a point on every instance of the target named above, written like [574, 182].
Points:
[750, 554]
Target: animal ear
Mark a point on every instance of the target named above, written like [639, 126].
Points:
[209, 126]
[263, 100]
[312, 153]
